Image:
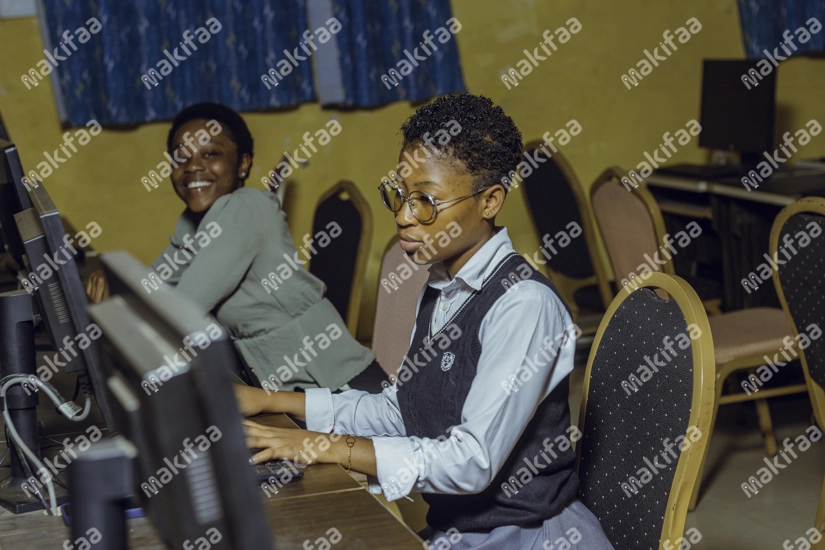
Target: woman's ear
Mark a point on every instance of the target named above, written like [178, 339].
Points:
[244, 167]
[493, 200]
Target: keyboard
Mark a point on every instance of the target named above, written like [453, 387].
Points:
[700, 171]
[279, 469]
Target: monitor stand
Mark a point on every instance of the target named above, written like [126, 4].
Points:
[100, 482]
[17, 356]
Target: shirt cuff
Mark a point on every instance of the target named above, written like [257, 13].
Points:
[396, 466]
[320, 413]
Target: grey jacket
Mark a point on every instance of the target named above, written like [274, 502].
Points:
[290, 336]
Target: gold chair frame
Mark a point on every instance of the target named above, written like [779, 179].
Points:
[815, 205]
[688, 469]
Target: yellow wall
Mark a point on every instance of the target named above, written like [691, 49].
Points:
[581, 80]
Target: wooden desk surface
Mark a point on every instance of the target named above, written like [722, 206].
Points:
[326, 497]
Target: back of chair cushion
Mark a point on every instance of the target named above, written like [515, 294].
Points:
[626, 228]
[554, 207]
[335, 263]
[398, 289]
[634, 415]
[803, 282]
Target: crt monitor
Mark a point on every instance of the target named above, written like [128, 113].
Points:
[733, 117]
[172, 397]
[51, 276]
[13, 197]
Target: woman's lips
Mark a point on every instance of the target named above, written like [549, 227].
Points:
[410, 246]
[198, 187]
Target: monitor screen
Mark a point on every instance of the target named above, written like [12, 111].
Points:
[51, 276]
[733, 117]
[165, 363]
[13, 198]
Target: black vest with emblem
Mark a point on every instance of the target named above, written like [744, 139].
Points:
[528, 488]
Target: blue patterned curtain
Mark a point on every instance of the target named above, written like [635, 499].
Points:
[381, 41]
[765, 21]
[107, 77]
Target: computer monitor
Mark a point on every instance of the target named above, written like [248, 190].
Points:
[13, 198]
[165, 363]
[51, 275]
[733, 117]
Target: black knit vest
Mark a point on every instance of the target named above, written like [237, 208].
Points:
[432, 399]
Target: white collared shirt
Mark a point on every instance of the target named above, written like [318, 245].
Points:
[522, 329]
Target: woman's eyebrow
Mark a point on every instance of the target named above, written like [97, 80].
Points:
[424, 183]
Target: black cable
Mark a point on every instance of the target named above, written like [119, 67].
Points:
[29, 473]
[76, 388]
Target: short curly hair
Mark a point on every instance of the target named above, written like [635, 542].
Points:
[231, 123]
[489, 143]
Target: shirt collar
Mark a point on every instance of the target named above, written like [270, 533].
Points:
[477, 268]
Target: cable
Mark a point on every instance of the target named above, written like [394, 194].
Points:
[84, 383]
[49, 390]
[69, 409]
[31, 478]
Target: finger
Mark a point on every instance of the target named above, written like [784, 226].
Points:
[248, 422]
[263, 456]
[255, 431]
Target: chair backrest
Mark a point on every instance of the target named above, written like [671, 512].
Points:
[342, 263]
[399, 285]
[555, 200]
[797, 239]
[634, 420]
[631, 225]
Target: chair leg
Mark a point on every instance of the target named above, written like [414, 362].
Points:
[766, 426]
[820, 519]
[694, 497]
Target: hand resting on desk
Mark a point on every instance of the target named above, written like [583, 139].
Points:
[297, 445]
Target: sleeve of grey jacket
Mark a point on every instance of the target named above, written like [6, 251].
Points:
[220, 267]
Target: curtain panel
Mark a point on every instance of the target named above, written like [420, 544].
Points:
[768, 25]
[132, 62]
[126, 63]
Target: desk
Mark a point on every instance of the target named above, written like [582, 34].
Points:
[741, 220]
[326, 497]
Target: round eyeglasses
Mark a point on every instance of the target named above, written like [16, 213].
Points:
[422, 205]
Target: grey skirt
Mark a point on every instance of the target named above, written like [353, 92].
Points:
[574, 528]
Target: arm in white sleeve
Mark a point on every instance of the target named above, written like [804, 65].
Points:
[354, 412]
[527, 326]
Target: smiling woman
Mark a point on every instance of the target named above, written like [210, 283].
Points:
[208, 173]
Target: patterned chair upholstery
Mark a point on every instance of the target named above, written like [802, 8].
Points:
[634, 420]
[800, 285]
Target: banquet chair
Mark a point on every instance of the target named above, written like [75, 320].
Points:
[800, 284]
[342, 264]
[643, 433]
